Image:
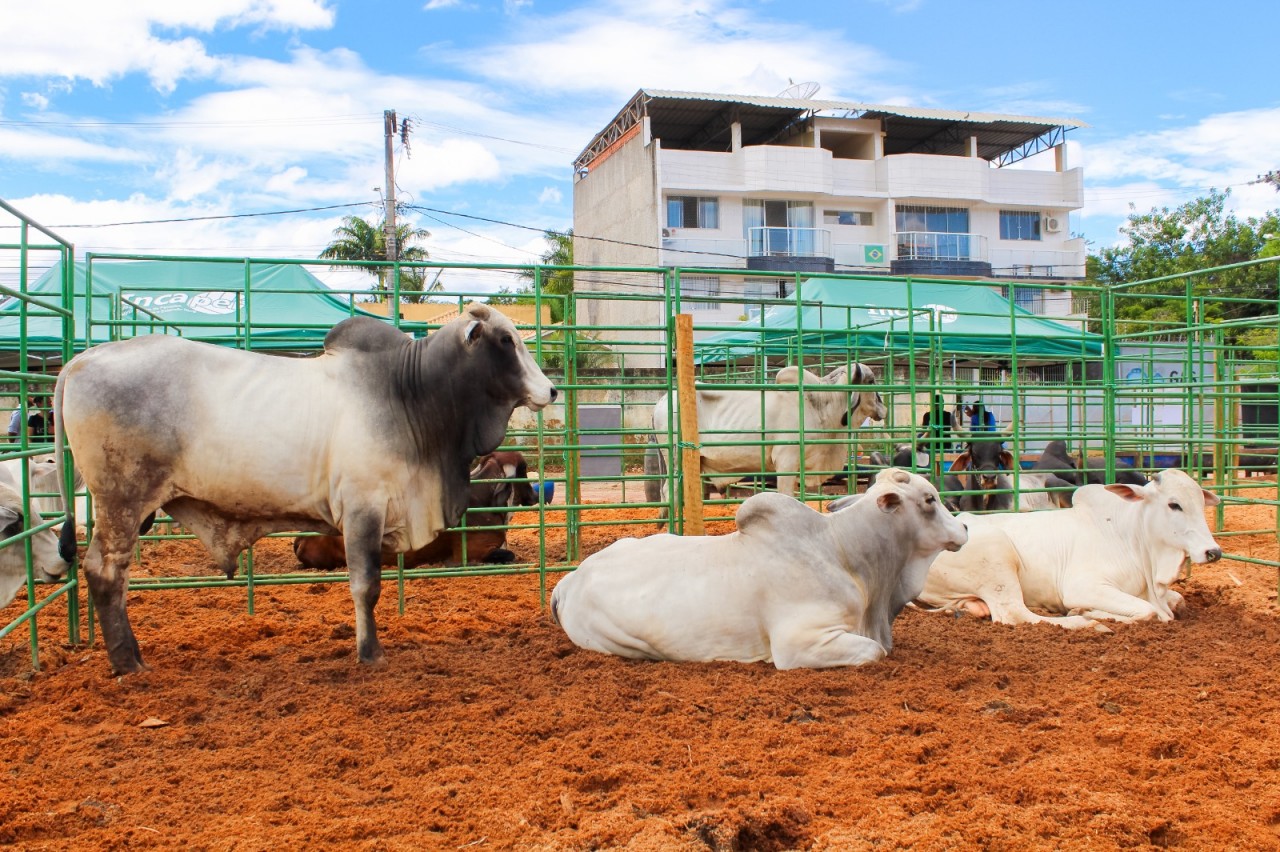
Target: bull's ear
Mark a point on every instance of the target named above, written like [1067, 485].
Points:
[889, 501]
[843, 502]
[472, 332]
[1132, 493]
[1006, 459]
[10, 522]
[961, 462]
[1211, 499]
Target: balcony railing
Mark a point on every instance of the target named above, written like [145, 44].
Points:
[935, 245]
[788, 242]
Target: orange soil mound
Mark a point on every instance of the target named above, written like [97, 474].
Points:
[488, 729]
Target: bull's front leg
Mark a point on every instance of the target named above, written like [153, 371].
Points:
[1108, 602]
[823, 649]
[363, 536]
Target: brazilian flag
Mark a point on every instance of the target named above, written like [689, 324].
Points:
[873, 254]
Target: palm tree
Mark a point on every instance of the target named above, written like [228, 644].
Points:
[557, 282]
[356, 239]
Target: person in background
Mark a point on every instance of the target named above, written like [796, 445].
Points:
[937, 426]
[15, 422]
[981, 418]
[37, 421]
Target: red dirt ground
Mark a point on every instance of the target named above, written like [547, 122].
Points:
[487, 729]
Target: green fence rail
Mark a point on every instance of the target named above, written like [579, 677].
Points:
[1170, 372]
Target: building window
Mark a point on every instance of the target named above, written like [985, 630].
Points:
[933, 220]
[765, 288]
[1019, 225]
[847, 217]
[687, 211]
[932, 233]
[693, 286]
[1027, 298]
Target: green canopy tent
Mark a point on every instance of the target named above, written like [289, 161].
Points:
[287, 308]
[895, 315]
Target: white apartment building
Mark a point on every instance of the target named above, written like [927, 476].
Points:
[725, 182]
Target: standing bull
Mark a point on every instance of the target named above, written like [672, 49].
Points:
[772, 418]
[371, 439]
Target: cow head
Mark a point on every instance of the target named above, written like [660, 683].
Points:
[985, 457]
[854, 409]
[1173, 507]
[484, 326]
[501, 479]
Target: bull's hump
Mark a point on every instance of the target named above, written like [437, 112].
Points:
[364, 334]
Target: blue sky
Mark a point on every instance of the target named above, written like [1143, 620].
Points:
[123, 112]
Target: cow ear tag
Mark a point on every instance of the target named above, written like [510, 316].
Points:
[888, 502]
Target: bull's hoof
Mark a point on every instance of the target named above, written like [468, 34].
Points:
[372, 654]
[120, 668]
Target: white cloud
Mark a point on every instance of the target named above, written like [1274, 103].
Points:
[36, 100]
[98, 42]
[433, 5]
[702, 45]
[550, 195]
[1172, 166]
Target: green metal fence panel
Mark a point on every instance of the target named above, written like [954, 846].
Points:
[26, 249]
[1173, 372]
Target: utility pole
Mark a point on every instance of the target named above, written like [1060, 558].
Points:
[389, 220]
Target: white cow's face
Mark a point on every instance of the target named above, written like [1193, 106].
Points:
[1173, 512]
[916, 501]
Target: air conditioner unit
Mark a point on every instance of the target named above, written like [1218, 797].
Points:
[1052, 224]
[666, 232]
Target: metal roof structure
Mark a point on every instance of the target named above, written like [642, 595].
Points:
[701, 122]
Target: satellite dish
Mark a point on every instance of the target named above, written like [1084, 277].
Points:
[800, 91]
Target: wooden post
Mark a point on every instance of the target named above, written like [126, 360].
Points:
[690, 442]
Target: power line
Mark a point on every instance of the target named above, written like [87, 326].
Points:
[211, 218]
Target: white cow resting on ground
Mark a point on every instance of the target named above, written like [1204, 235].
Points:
[1112, 555]
[800, 588]
[735, 416]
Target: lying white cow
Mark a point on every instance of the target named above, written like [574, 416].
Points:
[48, 565]
[794, 586]
[736, 416]
[1112, 555]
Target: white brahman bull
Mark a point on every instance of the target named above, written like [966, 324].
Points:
[372, 440]
[800, 588]
[772, 418]
[1112, 555]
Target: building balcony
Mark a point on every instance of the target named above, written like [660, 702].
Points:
[936, 253]
[790, 249]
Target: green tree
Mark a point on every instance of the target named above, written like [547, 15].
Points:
[1197, 235]
[357, 239]
[554, 282]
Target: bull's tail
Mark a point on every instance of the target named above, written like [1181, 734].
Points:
[66, 490]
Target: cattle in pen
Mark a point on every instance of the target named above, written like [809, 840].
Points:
[372, 439]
